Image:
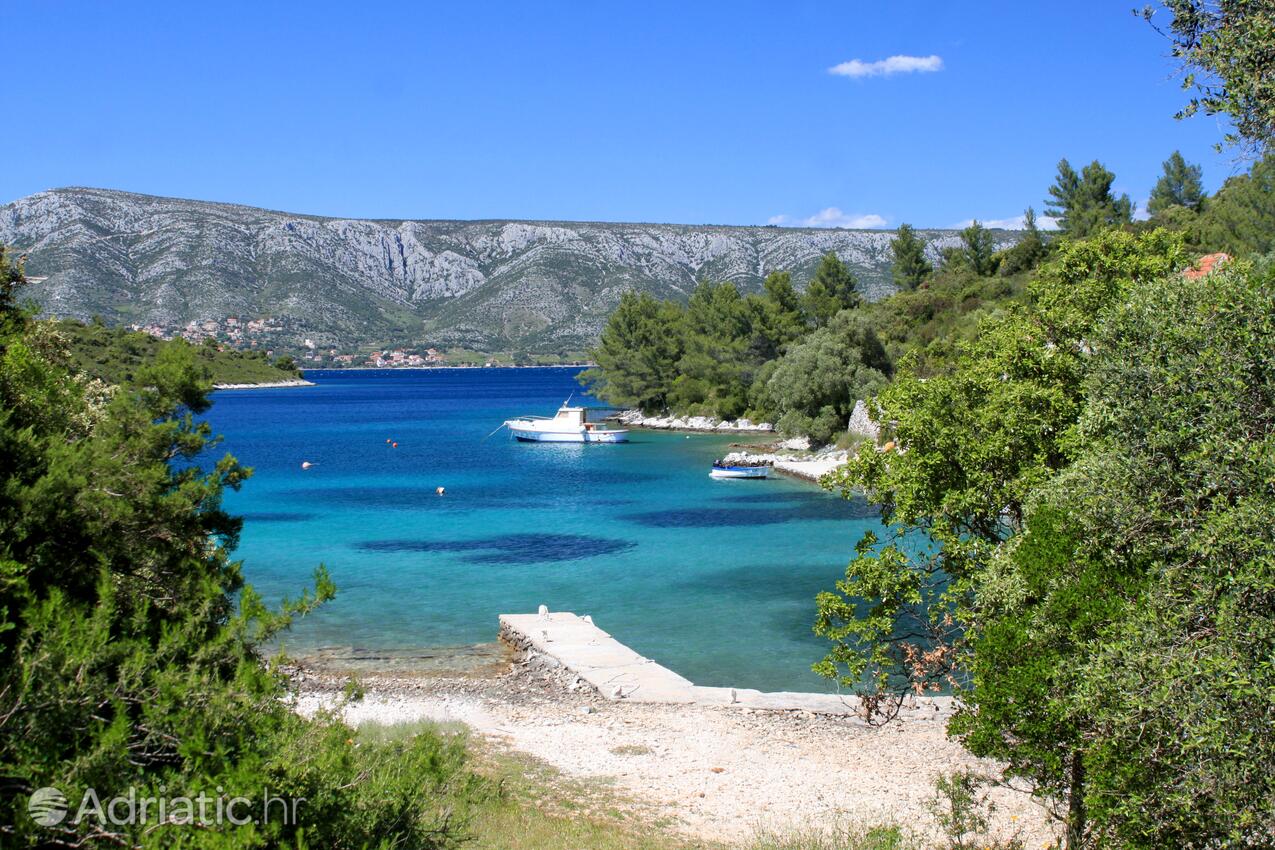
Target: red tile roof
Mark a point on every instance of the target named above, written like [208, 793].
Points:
[1206, 265]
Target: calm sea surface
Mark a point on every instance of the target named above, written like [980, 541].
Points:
[715, 579]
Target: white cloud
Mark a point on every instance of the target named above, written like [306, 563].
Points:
[831, 217]
[886, 67]
[1018, 222]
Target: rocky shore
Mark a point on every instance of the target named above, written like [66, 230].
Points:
[636, 419]
[808, 466]
[266, 385]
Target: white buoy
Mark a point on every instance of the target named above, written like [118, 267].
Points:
[617, 692]
[440, 490]
[305, 464]
[544, 612]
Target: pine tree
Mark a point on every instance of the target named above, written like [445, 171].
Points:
[1240, 218]
[637, 353]
[781, 293]
[832, 290]
[978, 249]
[1179, 186]
[910, 266]
[1029, 251]
[1064, 195]
[1083, 203]
[777, 318]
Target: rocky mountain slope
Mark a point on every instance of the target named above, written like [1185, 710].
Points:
[485, 285]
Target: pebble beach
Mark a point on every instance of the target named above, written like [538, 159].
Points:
[712, 773]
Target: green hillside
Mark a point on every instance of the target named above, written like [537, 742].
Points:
[115, 354]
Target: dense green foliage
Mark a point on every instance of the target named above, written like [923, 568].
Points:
[980, 436]
[773, 358]
[831, 290]
[1145, 654]
[1240, 218]
[911, 268]
[978, 250]
[1028, 252]
[1172, 497]
[129, 644]
[118, 355]
[716, 355]
[1083, 203]
[814, 386]
[638, 353]
[1226, 53]
[1093, 471]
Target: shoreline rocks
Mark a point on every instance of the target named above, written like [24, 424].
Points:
[862, 424]
[636, 419]
[809, 468]
[267, 385]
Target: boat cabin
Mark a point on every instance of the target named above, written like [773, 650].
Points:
[571, 416]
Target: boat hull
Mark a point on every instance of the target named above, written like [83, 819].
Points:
[530, 435]
[739, 472]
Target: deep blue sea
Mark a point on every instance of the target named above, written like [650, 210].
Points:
[715, 579]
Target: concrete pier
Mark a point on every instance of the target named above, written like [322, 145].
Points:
[618, 673]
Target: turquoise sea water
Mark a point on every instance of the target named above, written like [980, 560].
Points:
[715, 579]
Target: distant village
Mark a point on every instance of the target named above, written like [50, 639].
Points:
[267, 334]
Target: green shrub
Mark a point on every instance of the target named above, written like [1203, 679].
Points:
[129, 645]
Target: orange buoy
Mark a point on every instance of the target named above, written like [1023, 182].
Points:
[395, 445]
[888, 447]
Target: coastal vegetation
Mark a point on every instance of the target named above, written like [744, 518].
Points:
[1087, 449]
[130, 647]
[1092, 468]
[1094, 474]
[118, 355]
[1075, 475]
[781, 355]
[801, 359]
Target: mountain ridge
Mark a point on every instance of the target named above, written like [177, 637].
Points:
[345, 283]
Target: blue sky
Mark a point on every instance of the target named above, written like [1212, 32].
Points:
[723, 113]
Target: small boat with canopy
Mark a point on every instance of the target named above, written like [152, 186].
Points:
[740, 469]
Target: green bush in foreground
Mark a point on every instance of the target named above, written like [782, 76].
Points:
[129, 644]
[1097, 475]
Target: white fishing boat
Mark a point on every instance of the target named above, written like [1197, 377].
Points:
[569, 426]
[740, 469]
